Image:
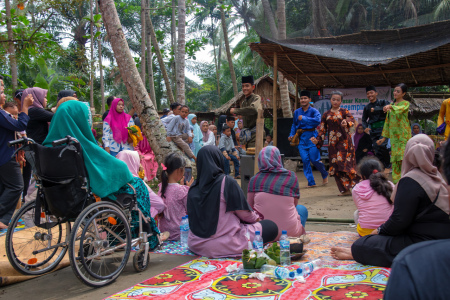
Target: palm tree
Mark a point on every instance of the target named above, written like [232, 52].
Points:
[181, 52]
[11, 49]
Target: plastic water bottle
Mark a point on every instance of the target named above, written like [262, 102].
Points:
[274, 271]
[184, 231]
[306, 268]
[285, 253]
[258, 244]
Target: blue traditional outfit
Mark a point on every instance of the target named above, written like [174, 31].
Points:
[308, 151]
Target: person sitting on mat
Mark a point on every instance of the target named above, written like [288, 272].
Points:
[221, 221]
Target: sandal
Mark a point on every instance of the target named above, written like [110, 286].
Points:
[237, 177]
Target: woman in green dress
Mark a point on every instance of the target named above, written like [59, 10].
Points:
[108, 176]
[397, 128]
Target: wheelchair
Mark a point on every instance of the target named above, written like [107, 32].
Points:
[67, 217]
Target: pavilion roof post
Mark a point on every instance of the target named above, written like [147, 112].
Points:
[296, 91]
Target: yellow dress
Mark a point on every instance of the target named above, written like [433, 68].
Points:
[444, 113]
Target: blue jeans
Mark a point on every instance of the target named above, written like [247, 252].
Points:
[311, 155]
[303, 213]
[226, 164]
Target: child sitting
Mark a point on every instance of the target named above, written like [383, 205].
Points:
[372, 197]
[226, 145]
[179, 132]
[173, 194]
[269, 141]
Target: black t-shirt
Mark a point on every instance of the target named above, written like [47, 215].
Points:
[37, 128]
[105, 114]
[233, 136]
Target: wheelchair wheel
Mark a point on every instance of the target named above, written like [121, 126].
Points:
[35, 250]
[138, 261]
[100, 244]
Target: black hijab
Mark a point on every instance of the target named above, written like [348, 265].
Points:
[203, 200]
[65, 93]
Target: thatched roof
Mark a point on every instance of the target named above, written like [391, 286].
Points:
[417, 56]
[236, 101]
[425, 106]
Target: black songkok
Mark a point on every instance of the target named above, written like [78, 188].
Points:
[371, 88]
[248, 79]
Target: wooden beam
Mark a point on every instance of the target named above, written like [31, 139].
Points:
[310, 80]
[326, 69]
[296, 91]
[376, 72]
[274, 100]
[259, 143]
[385, 77]
[412, 74]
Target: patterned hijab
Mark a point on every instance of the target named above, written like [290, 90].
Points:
[272, 178]
[118, 122]
[418, 165]
[205, 134]
[38, 96]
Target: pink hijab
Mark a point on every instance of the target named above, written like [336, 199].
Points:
[38, 96]
[418, 165]
[131, 158]
[118, 122]
[205, 134]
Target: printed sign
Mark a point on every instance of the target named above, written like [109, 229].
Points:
[354, 99]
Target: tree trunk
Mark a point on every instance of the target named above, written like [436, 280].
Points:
[215, 57]
[270, 19]
[181, 51]
[151, 30]
[284, 89]
[151, 79]
[173, 38]
[11, 49]
[151, 123]
[102, 84]
[91, 92]
[227, 46]
[143, 36]
[318, 20]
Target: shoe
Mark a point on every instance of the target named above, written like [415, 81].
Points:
[237, 177]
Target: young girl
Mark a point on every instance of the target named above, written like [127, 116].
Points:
[372, 197]
[173, 194]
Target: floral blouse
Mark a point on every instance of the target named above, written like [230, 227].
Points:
[340, 149]
[108, 140]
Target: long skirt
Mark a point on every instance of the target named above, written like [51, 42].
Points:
[345, 181]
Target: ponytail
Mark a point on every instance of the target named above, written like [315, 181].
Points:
[172, 162]
[371, 168]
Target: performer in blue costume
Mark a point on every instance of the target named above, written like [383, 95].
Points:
[307, 119]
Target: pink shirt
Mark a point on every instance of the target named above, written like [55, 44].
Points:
[176, 207]
[229, 239]
[373, 208]
[279, 209]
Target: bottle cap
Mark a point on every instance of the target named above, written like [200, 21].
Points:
[186, 216]
[299, 271]
[292, 274]
[257, 233]
[183, 218]
[284, 232]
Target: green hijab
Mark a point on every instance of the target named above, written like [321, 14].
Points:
[106, 173]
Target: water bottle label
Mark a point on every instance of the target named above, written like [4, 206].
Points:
[284, 244]
[279, 273]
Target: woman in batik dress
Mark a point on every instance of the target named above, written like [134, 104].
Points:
[397, 128]
[337, 122]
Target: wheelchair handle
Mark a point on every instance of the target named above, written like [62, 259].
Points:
[20, 141]
[68, 139]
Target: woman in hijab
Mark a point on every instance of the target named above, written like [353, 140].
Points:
[37, 129]
[220, 220]
[107, 176]
[115, 132]
[157, 206]
[416, 129]
[148, 160]
[274, 193]
[207, 135]
[362, 143]
[421, 210]
[198, 136]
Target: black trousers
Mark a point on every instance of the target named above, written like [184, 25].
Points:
[381, 152]
[11, 186]
[421, 271]
[269, 230]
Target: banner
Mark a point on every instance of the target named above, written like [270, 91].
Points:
[354, 99]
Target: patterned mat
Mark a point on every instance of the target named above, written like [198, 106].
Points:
[174, 247]
[20, 226]
[207, 279]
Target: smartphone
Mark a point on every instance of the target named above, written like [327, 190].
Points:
[187, 175]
